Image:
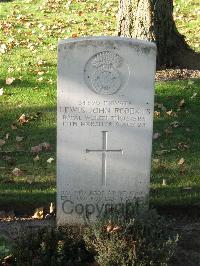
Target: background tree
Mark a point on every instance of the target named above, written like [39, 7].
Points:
[152, 20]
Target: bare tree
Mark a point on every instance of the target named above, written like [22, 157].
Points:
[152, 20]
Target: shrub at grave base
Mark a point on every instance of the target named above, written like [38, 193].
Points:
[148, 239]
[145, 240]
[55, 247]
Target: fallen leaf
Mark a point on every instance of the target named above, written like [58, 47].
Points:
[36, 158]
[2, 142]
[181, 103]
[10, 69]
[115, 229]
[46, 146]
[175, 124]
[182, 146]
[156, 160]
[40, 79]
[23, 119]
[169, 113]
[9, 81]
[52, 208]
[2, 48]
[50, 160]
[40, 73]
[156, 114]
[19, 139]
[17, 172]
[10, 215]
[109, 228]
[156, 135]
[181, 161]
[36, 149]
[74, 35]
[39, 213]
[1, 91]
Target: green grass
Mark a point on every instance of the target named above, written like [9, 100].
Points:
[29, 32]
[181, 141]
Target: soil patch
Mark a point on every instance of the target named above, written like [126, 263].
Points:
[176, 74]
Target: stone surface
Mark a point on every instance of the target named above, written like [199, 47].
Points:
[104, 125]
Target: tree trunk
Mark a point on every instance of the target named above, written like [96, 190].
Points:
[152, 20]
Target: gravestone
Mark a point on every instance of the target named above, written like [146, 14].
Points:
[104, 126]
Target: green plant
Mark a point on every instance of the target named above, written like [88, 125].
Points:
[4, 248]
[148, 239]
[54, 247]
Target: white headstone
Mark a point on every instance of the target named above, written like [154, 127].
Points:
[104, 125]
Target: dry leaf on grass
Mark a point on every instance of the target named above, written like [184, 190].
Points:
[23, 119]
[17, 172]
[19, 139]
[181, 103]
[39, 213]
[1, 91]
[45, 145]
[36, 158]
[109, 228]
[156, 135]
[52, 208]
[181, 161]
[2, 142]
[156, 114]
[115, 229]
[9, 81]
[50, 160]
[169, 113]
[175, 124]
[156, 160]
[36, 149]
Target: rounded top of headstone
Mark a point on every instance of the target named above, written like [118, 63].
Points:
[104, 39]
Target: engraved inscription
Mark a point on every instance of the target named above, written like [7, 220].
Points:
[101, 73]
[107, 113]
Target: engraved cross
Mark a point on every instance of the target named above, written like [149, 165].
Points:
[104, 152]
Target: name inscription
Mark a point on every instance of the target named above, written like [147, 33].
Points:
[107, 113]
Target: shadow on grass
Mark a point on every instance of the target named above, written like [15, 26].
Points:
[168, 195]
[43, 129]
[26, 203]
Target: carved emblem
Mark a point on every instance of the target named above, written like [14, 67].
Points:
[102, 74]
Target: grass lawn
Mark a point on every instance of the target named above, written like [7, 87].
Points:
[28, 51]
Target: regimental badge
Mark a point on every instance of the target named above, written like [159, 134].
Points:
[102, 73]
